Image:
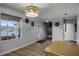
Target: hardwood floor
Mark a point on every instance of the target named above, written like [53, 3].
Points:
[35, 49]
[62, 48]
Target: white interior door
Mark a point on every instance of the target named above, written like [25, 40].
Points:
[69, 31]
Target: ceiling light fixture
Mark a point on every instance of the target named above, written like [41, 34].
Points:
[31, 10]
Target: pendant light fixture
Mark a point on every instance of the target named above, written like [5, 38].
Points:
[31, 10]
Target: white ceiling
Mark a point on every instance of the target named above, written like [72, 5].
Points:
[47, 10]
[58, 10]
[21, 6]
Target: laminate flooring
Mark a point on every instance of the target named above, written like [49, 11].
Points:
[35, 49]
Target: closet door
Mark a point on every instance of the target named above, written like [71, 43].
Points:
[70, 29]
[69, 32]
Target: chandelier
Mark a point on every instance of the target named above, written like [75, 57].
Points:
[31, 10]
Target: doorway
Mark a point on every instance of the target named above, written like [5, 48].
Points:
[70, 30]
[48, 27]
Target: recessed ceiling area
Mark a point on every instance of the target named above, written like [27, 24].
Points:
[47, 11]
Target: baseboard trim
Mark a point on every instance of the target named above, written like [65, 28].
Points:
[3, 53]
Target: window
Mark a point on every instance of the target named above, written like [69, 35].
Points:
[9, 28]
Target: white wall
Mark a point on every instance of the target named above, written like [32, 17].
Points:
[29, 34]
[78, 24]
[57, 31]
